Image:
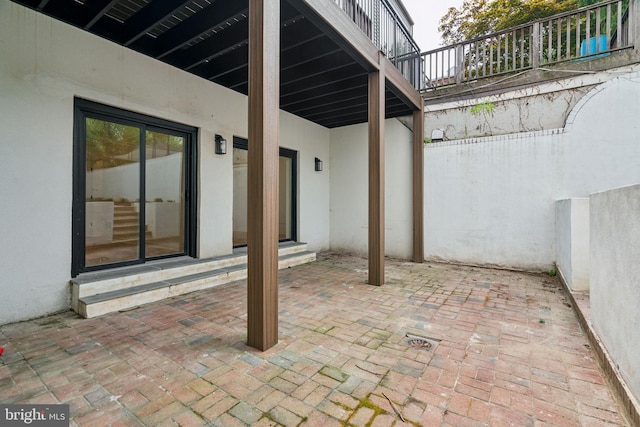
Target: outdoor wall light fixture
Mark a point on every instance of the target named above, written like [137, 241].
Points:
[318, 165]
[221, 145]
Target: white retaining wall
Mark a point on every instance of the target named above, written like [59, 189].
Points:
[615, 277]
[572, 242]
[490, 201]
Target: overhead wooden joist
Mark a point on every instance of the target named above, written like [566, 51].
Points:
[325, 57]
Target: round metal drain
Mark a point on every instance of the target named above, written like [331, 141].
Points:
[419, 342]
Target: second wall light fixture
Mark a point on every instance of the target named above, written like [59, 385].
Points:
[221, 145]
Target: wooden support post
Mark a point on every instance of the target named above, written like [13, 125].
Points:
[262, 224]
[376, 176]
[418, 185]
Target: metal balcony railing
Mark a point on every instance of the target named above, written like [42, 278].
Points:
[588, 32]
[381, 23]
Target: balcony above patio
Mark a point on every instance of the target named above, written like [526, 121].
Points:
[599, 37]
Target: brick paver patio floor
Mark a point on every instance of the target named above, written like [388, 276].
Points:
[505, 349]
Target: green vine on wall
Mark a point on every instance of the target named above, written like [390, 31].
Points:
[484, 108]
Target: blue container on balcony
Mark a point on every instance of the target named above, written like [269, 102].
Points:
[596, 44]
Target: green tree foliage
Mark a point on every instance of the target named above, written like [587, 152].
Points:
[476, 18]
[112, 144]
[108, 144]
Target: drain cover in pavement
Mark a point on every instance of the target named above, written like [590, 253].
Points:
[419, 342]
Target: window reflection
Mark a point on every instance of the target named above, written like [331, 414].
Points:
[113, 178]
[164, 187]
[112, 191]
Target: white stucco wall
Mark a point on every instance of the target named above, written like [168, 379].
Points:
[615, 277]
[490, 201]
[310, 141]
[349, 189]
[45, 64]
[563, 239]
[572, 242]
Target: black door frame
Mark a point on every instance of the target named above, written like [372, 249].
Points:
[84, 109]
[243, 144]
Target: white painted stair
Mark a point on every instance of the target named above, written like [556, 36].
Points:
[95, 294]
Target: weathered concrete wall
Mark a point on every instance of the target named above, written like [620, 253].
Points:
[45, 64]
[498, 116]
[615, 277]
[539, 107]
[572, 242]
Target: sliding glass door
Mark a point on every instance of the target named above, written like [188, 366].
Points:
[133, 188]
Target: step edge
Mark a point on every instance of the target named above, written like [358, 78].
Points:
[150, 273]
[87, 305]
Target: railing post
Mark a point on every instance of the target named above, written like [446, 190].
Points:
[634, 20]
[376, 23]
[459, 64]
[394, 52]
[535, 46]
[421, 73]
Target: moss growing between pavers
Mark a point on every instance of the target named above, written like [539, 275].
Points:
[335, 373]
[374, 344]
[324, 329]
[245, 413]
[365, 402]
[283, 417]
[199, 415]
[268, 416]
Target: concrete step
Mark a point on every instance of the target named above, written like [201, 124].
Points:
[284, 248]
[120, 236]
[296, 258]
[125, 220]
[94, 294]
[125, 228]
[88, 284]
